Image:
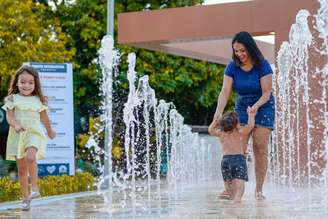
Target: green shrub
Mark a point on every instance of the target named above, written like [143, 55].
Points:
[3, 168]
[54, 185]
[9, 190]
[50, 185]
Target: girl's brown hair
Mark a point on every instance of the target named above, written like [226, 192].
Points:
[13, 89]
[229, 121]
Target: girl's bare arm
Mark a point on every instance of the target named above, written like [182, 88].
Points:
[47, 124]
[10, 115]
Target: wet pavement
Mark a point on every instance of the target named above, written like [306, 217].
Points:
[192, 201]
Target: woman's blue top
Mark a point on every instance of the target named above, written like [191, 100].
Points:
[248, 82]
[248, 87]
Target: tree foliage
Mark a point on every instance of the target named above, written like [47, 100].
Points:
[192, 85]
[26, 35]
[84, 23]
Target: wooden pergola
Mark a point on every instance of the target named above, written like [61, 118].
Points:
[205, 32]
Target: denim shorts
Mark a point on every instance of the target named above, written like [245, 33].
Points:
[265, 115]
[234, 167]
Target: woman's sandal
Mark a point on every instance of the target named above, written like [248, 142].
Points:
[224, 195]
[259, 196]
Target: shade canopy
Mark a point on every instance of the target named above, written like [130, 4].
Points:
[204, 32]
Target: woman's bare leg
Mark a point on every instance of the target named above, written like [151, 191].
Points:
[260, 148]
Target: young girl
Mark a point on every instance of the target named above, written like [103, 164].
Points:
[25, 110]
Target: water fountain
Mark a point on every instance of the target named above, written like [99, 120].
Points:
[301, 140]
[168, 171]
[156, 139]
[157, 143]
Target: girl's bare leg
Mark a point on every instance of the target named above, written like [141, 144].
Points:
[23, 177]
[32, 165]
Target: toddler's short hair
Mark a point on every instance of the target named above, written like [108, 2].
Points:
[229, 121]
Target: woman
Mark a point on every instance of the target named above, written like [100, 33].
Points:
[250, 74]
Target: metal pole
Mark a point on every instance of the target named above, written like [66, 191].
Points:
[108, 102]
[110, 18]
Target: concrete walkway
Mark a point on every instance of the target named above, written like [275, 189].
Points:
[196, 202]
[180, 202]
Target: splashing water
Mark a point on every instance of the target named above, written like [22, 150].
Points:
[108, 60]
[160, 150]
[301, 141]
[157, 145]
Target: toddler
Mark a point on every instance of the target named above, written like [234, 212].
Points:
[233, 138]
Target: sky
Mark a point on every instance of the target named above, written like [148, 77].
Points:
[268, 39]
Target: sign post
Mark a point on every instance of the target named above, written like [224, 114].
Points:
[57, 85]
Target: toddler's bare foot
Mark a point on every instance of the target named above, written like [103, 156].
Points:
[237, 200]
[225, 195]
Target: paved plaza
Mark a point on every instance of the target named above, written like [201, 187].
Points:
[199, 201]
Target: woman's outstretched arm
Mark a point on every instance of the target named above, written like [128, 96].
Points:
[223, 97]
[266, 85]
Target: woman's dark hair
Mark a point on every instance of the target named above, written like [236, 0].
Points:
[254, 52]
[229, 121]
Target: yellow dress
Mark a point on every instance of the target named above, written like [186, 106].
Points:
[27, 112]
